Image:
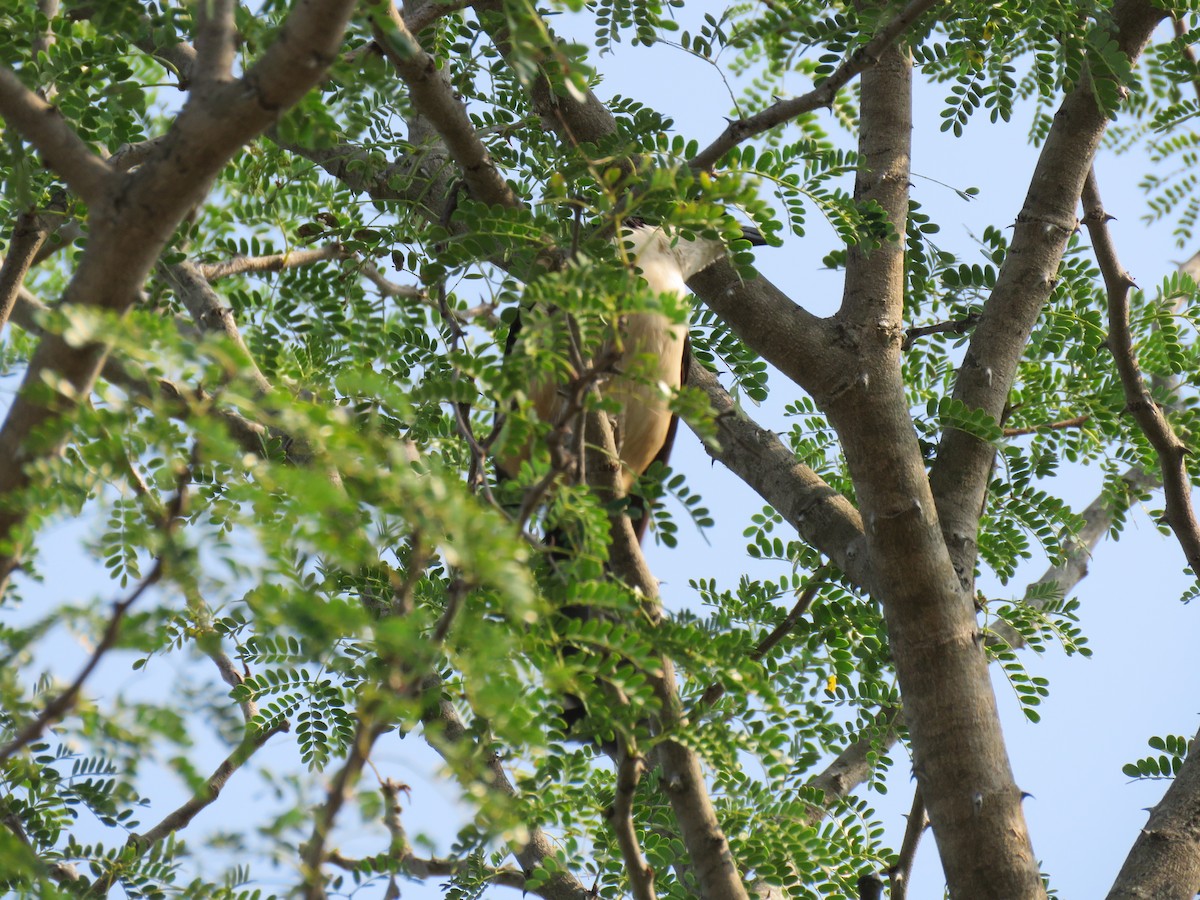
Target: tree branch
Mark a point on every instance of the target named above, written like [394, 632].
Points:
[428, 13]
[963, 465]
[683, 777]
[446, 733]
[823, 95]
[44, 127]
[821, 516]
[63, 703]
[29, 233]
[901, 869]
[127, 237]
[1097, 520]
[1060, 425]
[1150, 417]
[180, 818]
[435, 100]
[293, 259]
[211, 316]
[216, 37]
[620, 818]
[957, 326]
[343, 782]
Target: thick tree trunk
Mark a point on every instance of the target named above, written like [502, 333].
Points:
[960, 760]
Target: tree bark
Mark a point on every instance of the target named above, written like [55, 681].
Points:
[960, 760]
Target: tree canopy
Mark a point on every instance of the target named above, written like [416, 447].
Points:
[263, 273]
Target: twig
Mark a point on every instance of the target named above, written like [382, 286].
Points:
[62, 704]
[347, 776]
[865, 57]
[432, 867]
[620, 817]
[241, 265]
[447, 734]
[391, 289]
[955, 326]
[815, 581]
[229, 673]
[180, 818]
[400, 850]
[1172, 452]
[716, 691]
[454, 597]
[62, 149]
[1074, 422]
[899, 872]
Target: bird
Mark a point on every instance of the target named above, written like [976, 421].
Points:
[644, 426]
[652, 363]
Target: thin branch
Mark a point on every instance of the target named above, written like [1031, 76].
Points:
[1150, 417]
[899, 872]
[347, 776]
[856, 763]
[211, 315]
[29, 233]
[229, 673]
[821, 96]
[815, 581]
[716, 691]
[1060, 425]
[62, 704]
[277, 262]
[1097, 520]
[447, 734]
[179, 818]
[955, 326]
[64, 236]
[176, 820]
[620, 817]
[390, 288]
[62, 149]
[426, 867]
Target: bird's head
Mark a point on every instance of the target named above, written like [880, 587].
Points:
[650, 245]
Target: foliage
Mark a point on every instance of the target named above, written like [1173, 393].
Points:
[358, 566]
